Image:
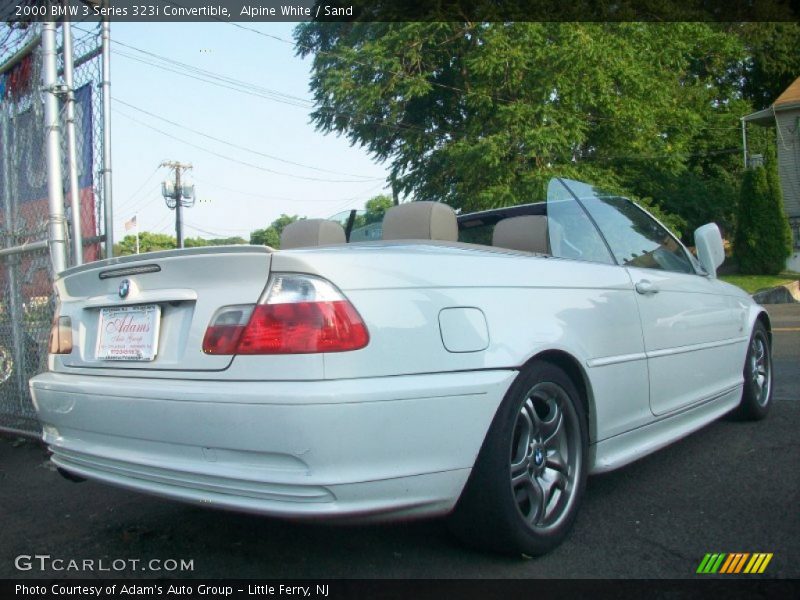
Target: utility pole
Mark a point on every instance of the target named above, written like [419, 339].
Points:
[177, 196]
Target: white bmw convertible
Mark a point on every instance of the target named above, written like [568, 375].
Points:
[411, 376]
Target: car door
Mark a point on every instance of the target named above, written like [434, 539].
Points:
[692, 330]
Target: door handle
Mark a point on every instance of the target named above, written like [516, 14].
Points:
[646, 287]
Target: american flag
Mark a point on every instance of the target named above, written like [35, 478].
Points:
[130, 224]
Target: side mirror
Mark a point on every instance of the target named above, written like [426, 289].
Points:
[708, 241]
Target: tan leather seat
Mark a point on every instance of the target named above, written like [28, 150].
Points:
[528, 233]
[312, 232]
[420, 221]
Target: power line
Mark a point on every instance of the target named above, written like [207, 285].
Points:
[231, 159]
[252, 89]
[214, 75]
[281, 198]
[142, 203]
[243, 88]
[237, 146]
[163, 223]
[215, 234]
[139, 189]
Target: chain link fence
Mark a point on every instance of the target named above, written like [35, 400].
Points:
[26, 277]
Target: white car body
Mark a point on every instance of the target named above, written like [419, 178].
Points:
[392, 429]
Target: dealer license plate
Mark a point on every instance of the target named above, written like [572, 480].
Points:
[128, 332]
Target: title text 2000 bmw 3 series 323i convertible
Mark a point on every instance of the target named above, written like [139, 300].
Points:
[415, 375]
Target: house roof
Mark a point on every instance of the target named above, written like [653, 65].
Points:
[790, 96]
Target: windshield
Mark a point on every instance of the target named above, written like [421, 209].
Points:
[595, 225]
[571, 231]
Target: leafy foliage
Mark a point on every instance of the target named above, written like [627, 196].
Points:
[773, 60]
[481, 115]
[763, 239]
[374, 210]
[271, 236]
[148, 242]
[152, 242]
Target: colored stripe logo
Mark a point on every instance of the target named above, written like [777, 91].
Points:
[734, 563]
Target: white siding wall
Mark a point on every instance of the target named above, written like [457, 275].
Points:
[788, 130]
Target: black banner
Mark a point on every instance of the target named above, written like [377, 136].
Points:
[23, 11]
[400, 589]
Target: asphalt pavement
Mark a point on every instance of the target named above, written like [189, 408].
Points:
[731, 487]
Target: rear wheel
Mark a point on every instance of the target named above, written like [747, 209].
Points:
[524, 491]
[757, 391]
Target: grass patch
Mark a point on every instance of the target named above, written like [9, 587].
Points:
[753, 283]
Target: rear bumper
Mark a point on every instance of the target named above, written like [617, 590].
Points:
[358, 448]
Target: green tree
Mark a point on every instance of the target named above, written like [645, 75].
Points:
[228, 241]
[194, 242]
[763, 239]
[484, 114]
[148, 242]
[271, 236]
[773, 60]
[376, 208]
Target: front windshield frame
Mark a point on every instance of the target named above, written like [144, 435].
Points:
[560, 189]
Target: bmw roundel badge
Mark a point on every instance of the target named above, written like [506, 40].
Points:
[124, 288]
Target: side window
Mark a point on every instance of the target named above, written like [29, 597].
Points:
[635, 238]
[572, 234]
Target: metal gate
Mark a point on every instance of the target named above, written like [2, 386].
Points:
[26, 277]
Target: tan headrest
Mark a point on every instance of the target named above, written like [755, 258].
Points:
[420, 221]
[311, 232]
[527, 233]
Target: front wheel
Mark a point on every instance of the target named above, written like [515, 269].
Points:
[757, 391]
[526, 485]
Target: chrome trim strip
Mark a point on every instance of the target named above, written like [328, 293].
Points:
[695, 347]
[613, 360]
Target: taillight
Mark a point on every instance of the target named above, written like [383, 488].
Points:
[61, 335]
[227, 325]
[298, 314]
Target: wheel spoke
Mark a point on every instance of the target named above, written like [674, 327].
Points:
[554, 428]
[523, 435]
[529, 495]
[556, 462]
[530, 410]
[520, 479]
[538, 502]
[519, 470]
[560, 481]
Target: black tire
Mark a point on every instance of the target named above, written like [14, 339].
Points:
[757, 390]
[533, 513]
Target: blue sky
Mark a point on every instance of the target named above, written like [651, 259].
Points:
[232, 199]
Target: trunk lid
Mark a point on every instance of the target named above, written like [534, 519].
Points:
[170, 297]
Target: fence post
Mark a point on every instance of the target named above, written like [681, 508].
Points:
[55, 191]
[72, 146]
[108, 204]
